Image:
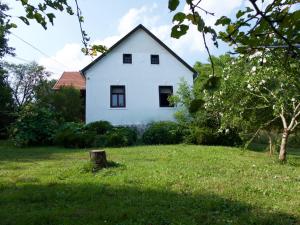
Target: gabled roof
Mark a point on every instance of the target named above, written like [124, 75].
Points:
[70, 79]
[151, 35]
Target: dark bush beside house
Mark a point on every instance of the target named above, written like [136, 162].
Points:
[97, 134]
[121, 136]
[164, 132]
[34, 126]
[99, 127]
[74, 135]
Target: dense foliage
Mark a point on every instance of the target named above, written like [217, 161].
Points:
[7, 109]
[73, 135]
[164, 132]
[97, 134]
[7, 105]
[253, 93]
[120, 137]
[99, 127]
[201, 124]
[34, 126]
[267, 91]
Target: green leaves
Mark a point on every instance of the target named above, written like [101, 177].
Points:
[173, 4]
[179, 30]
[24, 19]
[223, 21]
[51, 16]
[179, 17]
[269, 27]
[24, 2]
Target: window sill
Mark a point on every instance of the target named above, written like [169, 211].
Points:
[116, 108]
[167, 108]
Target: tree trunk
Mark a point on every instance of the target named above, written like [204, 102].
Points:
[284, 139]
[270, 145]
[98, 158]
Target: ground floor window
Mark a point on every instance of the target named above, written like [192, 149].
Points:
[117, 96]
[164, 93]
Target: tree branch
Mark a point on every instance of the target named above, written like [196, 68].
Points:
[270, 22]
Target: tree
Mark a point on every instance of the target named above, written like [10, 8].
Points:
[66, 102]
[7, 105]
[257, 93]
[5, 26]
[196, 114]
[23, 79]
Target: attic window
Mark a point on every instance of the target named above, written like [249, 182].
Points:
[164, 93]
[154, 59]
[127, 58]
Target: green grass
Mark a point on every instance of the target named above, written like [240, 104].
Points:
[177, 184]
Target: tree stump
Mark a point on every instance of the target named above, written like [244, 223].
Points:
[98, 158]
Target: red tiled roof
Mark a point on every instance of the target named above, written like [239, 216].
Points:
[67, 79]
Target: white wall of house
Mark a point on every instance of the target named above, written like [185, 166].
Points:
[141, 79]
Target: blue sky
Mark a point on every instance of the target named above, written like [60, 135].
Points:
[106, 22]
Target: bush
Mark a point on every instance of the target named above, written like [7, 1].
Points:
[73, 135]
[76, 135]
[100, 127]
[229, 137]
[164, 132]
[209, 136]
[121, 136]
[34, 126]
[200, 135]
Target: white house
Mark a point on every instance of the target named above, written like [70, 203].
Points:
[131, 82]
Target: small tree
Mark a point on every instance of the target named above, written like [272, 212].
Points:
[259, 89]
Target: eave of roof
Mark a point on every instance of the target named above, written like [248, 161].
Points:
[151, 35]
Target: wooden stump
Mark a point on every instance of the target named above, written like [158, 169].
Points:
[98, 158]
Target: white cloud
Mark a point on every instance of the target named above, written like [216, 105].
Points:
[136, 16]
[69, 58]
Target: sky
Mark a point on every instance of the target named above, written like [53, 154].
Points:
[58, 48]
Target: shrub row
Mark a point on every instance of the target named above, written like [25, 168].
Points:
[98, 134]
[39, 126]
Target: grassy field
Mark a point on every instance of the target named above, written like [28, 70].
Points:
[155, 185]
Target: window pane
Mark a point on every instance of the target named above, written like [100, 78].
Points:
[154, 59]
[118, 90]
[114, 100]
[164, 100]
[166, 90]
[121, 100]
[127, 58]
[164, 93]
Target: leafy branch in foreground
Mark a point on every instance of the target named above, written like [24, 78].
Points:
[273, 25]
[43, 14]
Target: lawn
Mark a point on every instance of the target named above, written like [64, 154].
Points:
[178, 184]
